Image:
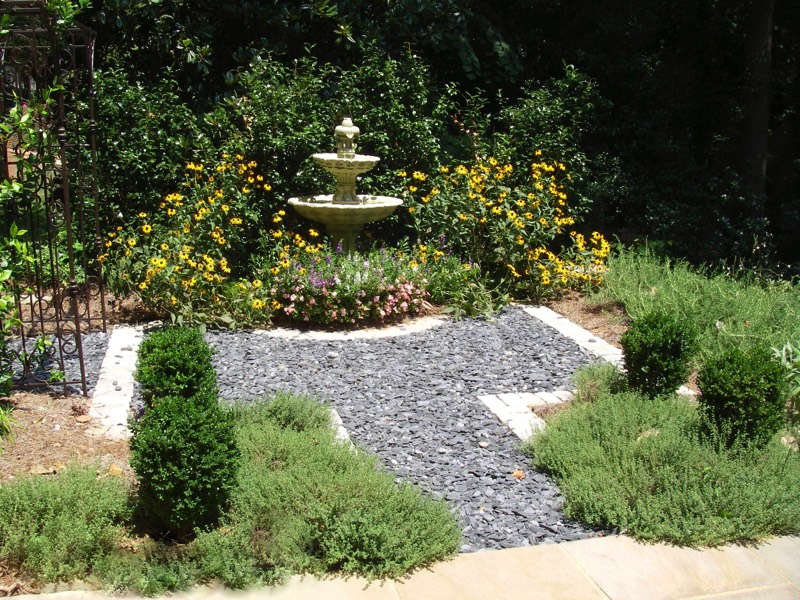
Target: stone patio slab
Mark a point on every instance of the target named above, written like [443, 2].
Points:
[628, 570]
[541, 572]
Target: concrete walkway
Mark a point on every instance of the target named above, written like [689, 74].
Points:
[614, 568]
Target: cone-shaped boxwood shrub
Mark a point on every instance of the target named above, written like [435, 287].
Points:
[657, 349]
[175, 362]
[185, 457]
[743, 394]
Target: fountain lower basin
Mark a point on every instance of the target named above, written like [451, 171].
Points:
[344, 221]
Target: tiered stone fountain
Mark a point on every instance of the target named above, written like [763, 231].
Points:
[344, 213]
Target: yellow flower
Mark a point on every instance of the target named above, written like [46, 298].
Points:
[402, 174]
[412, 188]
[275, 270]
[225, 208]
[275, 304]
[143, 286]
[146, 229]
[142, 215]
[419, 176]
[257, 304]
[236, 221]
[257, 283]
[313, 232]
[164, 246]
[131, 242]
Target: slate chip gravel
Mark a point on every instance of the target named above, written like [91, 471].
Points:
[413, 401]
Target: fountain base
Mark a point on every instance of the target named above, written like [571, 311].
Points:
[345, 221]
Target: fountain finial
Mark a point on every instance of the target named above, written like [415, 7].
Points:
[346, 136]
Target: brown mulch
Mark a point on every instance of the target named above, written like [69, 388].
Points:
[607, 320]
[50, 432]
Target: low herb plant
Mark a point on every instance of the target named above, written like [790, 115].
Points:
[657, 350]
[644, 466]
[335, 287]
[302, 502]
[55, 529]
[789, 356]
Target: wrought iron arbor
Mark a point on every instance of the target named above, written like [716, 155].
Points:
[50, 190]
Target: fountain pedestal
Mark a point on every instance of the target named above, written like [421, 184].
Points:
[344, 213]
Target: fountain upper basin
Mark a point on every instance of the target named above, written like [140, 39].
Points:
[360, 163]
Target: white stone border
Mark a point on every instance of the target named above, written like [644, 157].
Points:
[413, 326]
[111, 400]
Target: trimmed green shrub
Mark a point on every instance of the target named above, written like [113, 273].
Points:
[657, 350]
[176, 362]
[185, 456]
[743, 394]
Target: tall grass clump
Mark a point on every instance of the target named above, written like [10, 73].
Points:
[308, 503]
[726, 311]
[643, 465]
[57, 529]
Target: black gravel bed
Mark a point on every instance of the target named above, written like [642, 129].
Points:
[94, 346]
[413, 401]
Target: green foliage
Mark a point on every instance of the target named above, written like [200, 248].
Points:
[458, 287]
[6, 423]
[175, 362]
[339, 287]
[743, 394]
[301, 502]
[400, 116]
[185, 458]
[146, 137]
[658, 348]
[597, 380]
[294, 413]
[642, 465]
[14, 257]
[725, 310]
[183, 449]
[789, 356]
[57, 529]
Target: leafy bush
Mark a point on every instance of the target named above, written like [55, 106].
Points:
[642, 465]
[513, 227]
[743, 394]
[184, 454]
[457, 286]
[175, 362]
[657, 348]
[180, 259]
[58, 528]
[147, 135]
